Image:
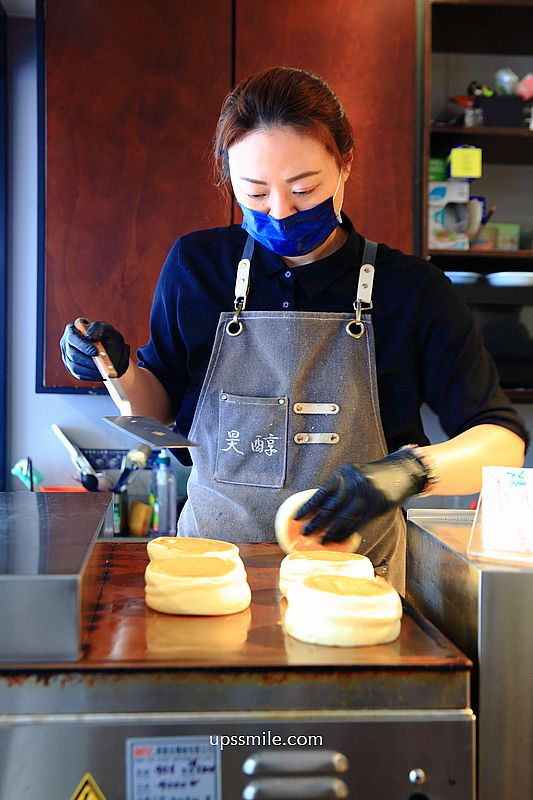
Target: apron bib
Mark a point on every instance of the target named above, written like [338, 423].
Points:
[285, 402]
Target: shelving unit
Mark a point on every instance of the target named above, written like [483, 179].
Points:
[458, 31]
[499, 145]
[464, 41]
[483, 261]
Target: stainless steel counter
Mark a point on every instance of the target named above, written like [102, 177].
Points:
[486, 609]
[48, 575]
[144, 708]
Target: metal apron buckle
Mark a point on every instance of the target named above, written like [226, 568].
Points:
[242, 285]
[356, 327]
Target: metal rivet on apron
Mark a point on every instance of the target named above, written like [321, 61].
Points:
[224, 396]
[281, 401]
[316, 408]
[316, 438]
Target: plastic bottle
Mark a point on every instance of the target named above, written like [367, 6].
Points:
[165, 501]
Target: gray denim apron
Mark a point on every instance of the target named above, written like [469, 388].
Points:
[288, 398]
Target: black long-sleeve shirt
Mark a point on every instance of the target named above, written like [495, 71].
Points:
[427, 347]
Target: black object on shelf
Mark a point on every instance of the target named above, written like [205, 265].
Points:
[501, 111]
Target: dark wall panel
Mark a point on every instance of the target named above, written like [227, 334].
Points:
[133, 91]
[366, 51]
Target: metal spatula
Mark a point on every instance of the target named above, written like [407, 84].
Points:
[150, 431]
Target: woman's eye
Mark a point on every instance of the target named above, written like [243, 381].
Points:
[256, 196]
[302, 192]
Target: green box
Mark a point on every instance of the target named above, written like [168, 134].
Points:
[437, 169]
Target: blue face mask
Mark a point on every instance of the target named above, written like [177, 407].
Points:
[297, 235]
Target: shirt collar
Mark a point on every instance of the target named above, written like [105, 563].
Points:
[317, 276]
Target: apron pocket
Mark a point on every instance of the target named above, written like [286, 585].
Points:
[252, 440]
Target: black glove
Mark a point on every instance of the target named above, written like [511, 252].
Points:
[77, 350]
[357, 493]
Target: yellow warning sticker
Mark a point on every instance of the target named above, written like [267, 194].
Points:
[88, 789]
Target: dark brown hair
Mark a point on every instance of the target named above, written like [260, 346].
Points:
[282, 96]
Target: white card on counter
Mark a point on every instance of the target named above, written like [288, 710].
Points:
[173, 768]
[503, 524]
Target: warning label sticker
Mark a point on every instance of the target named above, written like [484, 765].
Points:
[88, 789]
[173, 768]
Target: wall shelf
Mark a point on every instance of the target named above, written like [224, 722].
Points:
[480, 130]
[482, 26]
[482, 293]
[483, 254]
[499, 145]
[484, 260]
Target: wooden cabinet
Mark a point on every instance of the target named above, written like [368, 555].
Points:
[132, 94]
[130, 97]
[367, 53]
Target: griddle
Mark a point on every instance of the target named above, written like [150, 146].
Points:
[123, 637]
[402, 708]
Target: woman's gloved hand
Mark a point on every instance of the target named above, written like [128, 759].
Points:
[357, 493]
[78, 351]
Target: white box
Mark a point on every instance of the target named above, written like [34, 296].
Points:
[452, 191]
[442, 221]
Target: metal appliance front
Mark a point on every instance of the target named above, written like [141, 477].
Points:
[397, 712]
[388, 755]
[485, 608]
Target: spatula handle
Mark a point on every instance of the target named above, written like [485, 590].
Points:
[102, 360]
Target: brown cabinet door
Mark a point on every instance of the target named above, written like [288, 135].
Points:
[366, 51]
[132, 94]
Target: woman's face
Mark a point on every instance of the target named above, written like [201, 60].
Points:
[280, 171]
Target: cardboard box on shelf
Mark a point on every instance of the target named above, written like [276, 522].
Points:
[437, 169]
[448, 215]
[498, 236]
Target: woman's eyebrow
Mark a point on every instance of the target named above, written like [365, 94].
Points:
[308, 174]
[252, 180]
[299, 177]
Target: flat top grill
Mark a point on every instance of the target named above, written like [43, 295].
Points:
[134, 658]
[124, 633]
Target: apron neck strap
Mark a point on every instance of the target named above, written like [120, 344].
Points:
[363, 299]
[248, 249]
[366, 276]
[242, 281]
[369, 252]
[242, 285]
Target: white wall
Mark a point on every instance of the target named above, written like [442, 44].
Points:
[29, 414]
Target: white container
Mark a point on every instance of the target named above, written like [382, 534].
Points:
[447, 209]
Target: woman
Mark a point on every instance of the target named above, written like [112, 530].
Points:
[272, 350]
